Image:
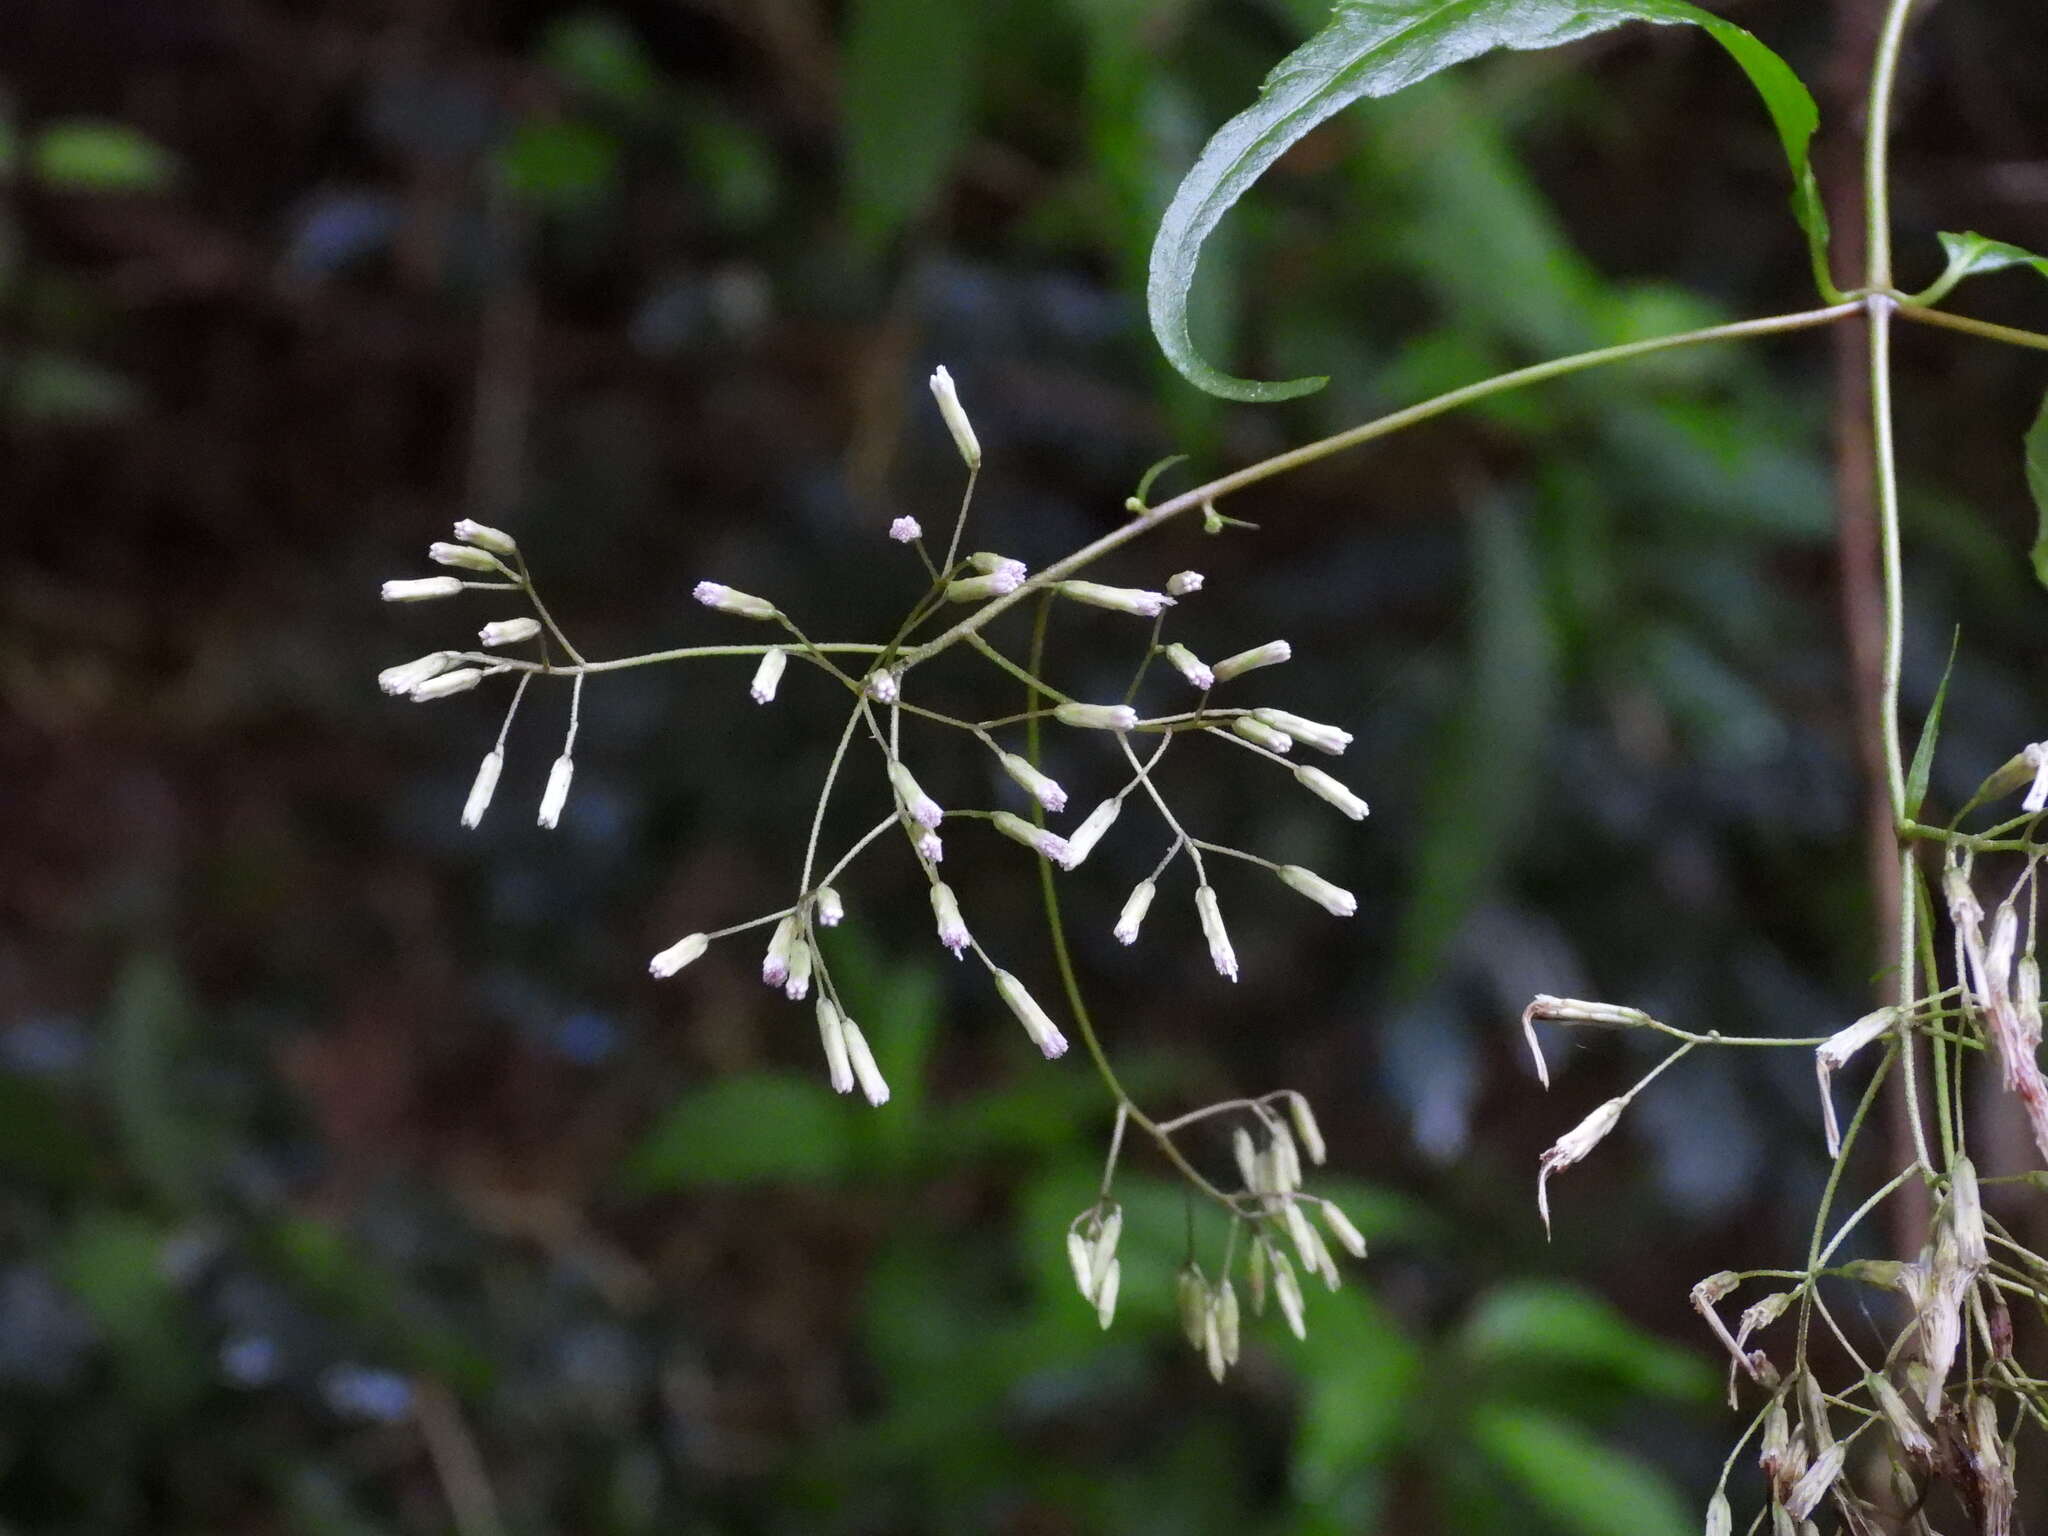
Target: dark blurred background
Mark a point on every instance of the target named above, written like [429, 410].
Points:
[356, 1178]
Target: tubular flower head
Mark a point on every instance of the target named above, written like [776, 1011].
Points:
[1043, 1032]
[556, 795]
[1104, 1250]
[1105, 1293]
[1081, 1257]
[482, 789]
[1573, 1147]
[1049, 844]
[832, 1035]
[508, 631]
[1833, 1052]
[979, 589]
[461, 680]
[1191, 667]
[1097, 717]
[464, 558]
[1720, 1517]
[1132, 600]
[1287, 1291]
[798, 986]
[1305, 1127]
[1320, 784]
[992, 565]
[1039, 786]
[1220, 952]
[1342, 1229]
[906, 530]
[831, 910]
[1132, 918]
[1905, 1425]
[930, 849]
[679, 954]
[946, 909]
[775, 963]
[885, 687]
[948, 395]
[1191, 1301]
[768, 676]
[422, 590]
[917, 805]
[1260, 734]
[1324, 738]
[1181, 583]
[1082, 840]
[406, 676]
[1333, 899]
[873, 1086]
[726, 599]
[1271, 654]
[1224, 1308]
[498, 542]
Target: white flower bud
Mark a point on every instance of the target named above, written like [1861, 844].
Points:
[1324, 738]
[1040, 786]
[508, 631]
[1220, 952]
[1104, 1251]
[1043, 1032]
[1249, 1166]
[1105, 1293]
[495, 540]
[1049, 844]
[1181, 583]
[462, 557]
[1191, 1301]
[1260, 734]
[1255, 1273]
[948, 395]
[1301, 1234]
[556, 795]
[461, 680]
[1341, 1228]
[2037, 797]
[830, 909]
[1082, 1258]
[1082, 840]
[906, 530]
[1272, 653]
[1287, 1290]
[679, 954]
[1132, 918]
[1815, 1481]
[979, 589]
[885, 687]
[798, 985]
[873, 1086]
[1573, 1147]
[946, 910]
[1131, 600]
[483, 788]
[1833, 1052]
[1720, 1518]
[768, 676]
[1333, 899]
[726, 600]
[1097, 717]
[1306, 1128]
[930, 849]
[422, 590]
[1320, 784]
[993, 565]
[1225, 1309]
[1191, 667]
[1212, 1344]
[832, 1035]
[775, 963]
[917, 805]
[408, 675]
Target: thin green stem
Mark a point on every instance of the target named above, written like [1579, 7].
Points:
[2011, 335]
[1877, 209]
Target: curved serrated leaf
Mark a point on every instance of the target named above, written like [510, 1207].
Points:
[1970, 254]
[1378, 47]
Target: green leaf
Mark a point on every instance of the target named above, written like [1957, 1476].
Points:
[1378, 47]
[1537, 1324]
[1969, 255]
[92, 155]
[1574, 1480]
[1923, 754]
[910, 76]
[2037, 482]
[559, 165]
[148, 1023]
[1361, 1375]
[602, 55]
[752, 1129]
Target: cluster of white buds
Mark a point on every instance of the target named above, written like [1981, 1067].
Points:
[848, 1058]
[1271, 1172]
[1208, 1318]
[906, 530]
[1091, 1251]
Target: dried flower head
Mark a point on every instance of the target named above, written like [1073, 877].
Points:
[1573, 1147]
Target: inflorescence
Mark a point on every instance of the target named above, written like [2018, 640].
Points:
[1269, 1212]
